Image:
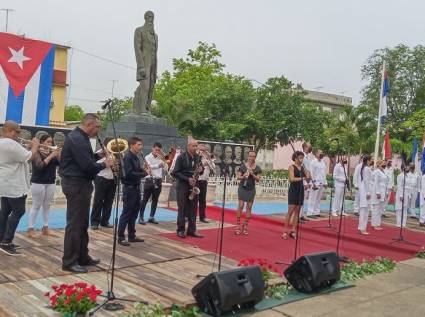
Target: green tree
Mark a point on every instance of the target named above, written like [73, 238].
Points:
[119, 106]
[406, 72]
[74, 113]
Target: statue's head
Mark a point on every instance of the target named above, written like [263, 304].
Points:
[149, 16]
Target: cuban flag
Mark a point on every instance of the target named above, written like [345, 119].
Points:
[385, 91]
[26, 77]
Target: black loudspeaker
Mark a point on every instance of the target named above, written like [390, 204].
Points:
[226, 291]
[311, 272]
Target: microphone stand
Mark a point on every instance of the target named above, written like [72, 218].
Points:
[226, 172]
[110, 296]
[400, 237]
[341, 213]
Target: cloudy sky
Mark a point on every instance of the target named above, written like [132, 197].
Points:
[320, 44]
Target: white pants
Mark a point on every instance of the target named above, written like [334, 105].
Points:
[398, 216]
[338, 198]
[422, 215]
[363, 218]
[387, 199]
[314, 201]
[42, 196]
[306, 196]
[356, 202]
[377, 211]
[411, 204]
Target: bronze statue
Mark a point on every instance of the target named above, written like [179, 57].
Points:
[145, 48]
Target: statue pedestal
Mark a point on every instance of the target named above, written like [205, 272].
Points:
[149, 128]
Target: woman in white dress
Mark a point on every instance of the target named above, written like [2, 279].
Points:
[378, 194]
[364, 180]
[402, 197]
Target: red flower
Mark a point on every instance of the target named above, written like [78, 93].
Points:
[47, 294]
[81, 284]
[69, 291]
[67, 301]
[53, 300]
[63, 286]
[93, 296]
[98, 292]
[55, 287]
[79, 297]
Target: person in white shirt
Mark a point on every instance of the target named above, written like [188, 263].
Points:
[307, 148]
[412, 188]
[378, 194]
[389, 171]
[402, 197]
[153, 183]
[319, 183]
[356, 187]
[202, 184]
[14, 183]
[422, 202]
[363, 181]
[340, 181]
[104, 194]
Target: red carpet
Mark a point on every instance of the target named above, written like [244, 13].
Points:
[264, 240]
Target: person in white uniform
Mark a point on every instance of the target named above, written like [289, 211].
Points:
[363, 181]
[340, 181]
[356, 187]
[402, 197]
[307, 148]
[318, 175]
[389, 171]
[378, 194]
[412, 187]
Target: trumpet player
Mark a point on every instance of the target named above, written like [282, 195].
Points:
[43, 177]
[209, 166]
[104, 192]
[153, 182]
[134, 172]
[14, 183]
[248, 174]
[184, 170]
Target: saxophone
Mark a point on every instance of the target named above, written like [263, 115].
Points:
[194, 191]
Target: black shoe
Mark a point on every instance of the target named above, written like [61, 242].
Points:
[181, 235]
[124, 243]
[141, 221]
[75, 268]
[94, 227]
[16, 246]
[9, 249]
[204, 221]
[356, 214]
[195, 235]
[136, 239]
[385, 216]
[91, 261]
[304, 219]
[108, 225]
[152, 220]
[414, 217]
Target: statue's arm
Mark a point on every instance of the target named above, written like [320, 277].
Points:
[138, 51]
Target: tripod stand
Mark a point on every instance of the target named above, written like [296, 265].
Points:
[110, 296]
[400, 237]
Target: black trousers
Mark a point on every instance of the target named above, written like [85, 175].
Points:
[78, 195]
[186, 208]
[104, 194]
[130, 211]
[12, 210]
[203, 186]
[148, 191]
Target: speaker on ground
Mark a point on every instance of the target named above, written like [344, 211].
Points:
[312, 272]
[230, 290]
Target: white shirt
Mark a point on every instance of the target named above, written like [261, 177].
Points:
[14, 169]
[106, 172]
[154, 163]
[356, 175]
[307, 161]
[207, 170]
[379, 185]
[412, 182]
[339, 175]
[389, 171]
[318, 172]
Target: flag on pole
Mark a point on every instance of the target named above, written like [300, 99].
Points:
[385, 92]
[415, 155]
[386, 146]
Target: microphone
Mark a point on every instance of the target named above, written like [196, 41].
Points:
[107, 103]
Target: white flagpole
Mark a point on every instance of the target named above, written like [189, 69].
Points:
[378, 129]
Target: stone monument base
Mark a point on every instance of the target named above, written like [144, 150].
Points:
[150, 129]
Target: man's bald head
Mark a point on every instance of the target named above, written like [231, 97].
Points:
[11, 130]
[91, 124]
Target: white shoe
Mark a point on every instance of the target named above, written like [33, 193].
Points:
[334, 214]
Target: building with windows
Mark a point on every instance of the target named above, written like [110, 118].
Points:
[329, 102]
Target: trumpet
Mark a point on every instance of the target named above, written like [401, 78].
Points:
[43, 147]
[207, 157]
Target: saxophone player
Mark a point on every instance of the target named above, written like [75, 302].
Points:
[184, 169]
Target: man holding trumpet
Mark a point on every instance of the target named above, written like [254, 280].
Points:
[14, 183]
[153, 182]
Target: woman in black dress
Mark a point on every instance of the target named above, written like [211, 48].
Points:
[297, 176]
[248, 174]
